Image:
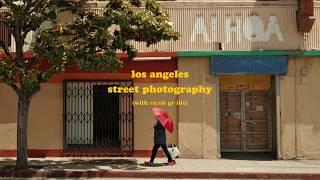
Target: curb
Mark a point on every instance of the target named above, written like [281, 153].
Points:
[153, 174]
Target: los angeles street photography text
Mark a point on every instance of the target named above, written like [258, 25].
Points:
[199, 89]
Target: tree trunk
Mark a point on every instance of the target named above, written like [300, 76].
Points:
[22, 127]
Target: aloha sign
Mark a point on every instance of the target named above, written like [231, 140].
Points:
[252, 28]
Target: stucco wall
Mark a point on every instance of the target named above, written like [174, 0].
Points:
[197, 121]
[8, 111]
[144, 119]
[300, 102]
[45, 127]
[46, 118]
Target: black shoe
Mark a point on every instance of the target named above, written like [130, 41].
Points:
[148, 163]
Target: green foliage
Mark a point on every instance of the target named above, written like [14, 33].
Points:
[90, 41]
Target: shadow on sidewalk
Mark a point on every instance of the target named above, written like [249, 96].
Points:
[154, 165]
[76, 164]
[257, 156]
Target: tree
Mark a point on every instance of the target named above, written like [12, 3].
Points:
[90, 42]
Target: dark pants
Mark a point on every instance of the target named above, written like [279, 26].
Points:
[165, 150]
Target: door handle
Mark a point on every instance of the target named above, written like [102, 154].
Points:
[236, 115]
[251, 122]
[233, 114]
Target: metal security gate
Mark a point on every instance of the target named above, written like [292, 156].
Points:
[245, 122]
[96, 121]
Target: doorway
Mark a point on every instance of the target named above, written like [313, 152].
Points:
[246, 120]
[95, 121]
[106, 117]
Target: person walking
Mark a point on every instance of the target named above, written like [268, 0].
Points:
[159, 140]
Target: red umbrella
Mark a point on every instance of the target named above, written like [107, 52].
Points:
[164, 118]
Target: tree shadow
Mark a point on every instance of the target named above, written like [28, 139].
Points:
[73, 164]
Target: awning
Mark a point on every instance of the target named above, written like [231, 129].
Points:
[249, 65]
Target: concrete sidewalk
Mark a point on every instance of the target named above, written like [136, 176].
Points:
[185, 168]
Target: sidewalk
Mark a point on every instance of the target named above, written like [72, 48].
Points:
[185, 168]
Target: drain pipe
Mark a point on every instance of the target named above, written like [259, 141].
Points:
[278, 107]
[295, 108]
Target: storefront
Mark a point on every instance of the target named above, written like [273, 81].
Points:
[247, 101]
[259, 107]
[74, 115]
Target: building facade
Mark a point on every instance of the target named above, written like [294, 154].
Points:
[261, 59]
